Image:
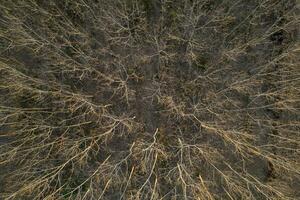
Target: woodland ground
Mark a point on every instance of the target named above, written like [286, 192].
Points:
[149, 99]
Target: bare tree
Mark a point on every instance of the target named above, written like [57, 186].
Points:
[149, 99]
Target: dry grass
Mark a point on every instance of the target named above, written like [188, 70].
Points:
[136, 99]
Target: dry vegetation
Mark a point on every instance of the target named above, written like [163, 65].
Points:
[148, 99]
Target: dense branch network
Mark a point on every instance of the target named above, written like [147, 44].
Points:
[136, 99]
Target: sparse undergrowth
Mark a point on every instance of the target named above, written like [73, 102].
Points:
[149, 99]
